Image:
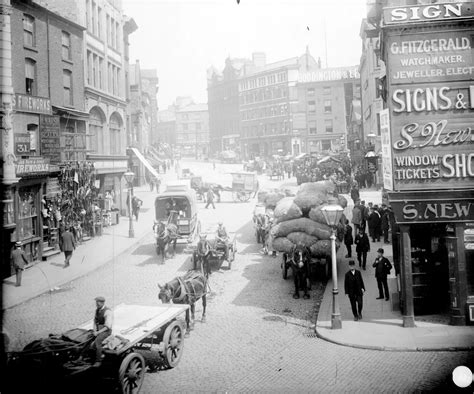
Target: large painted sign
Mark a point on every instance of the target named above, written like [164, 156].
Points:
[387, 169]
[330, 74]
[431, 102]
[32, 166]
[50, 138]
[428, 12]
[27, 103]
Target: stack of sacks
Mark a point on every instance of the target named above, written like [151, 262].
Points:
[300, 221]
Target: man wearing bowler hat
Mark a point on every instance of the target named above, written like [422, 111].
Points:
[102, 327]
[382, 269]
[354, 288]
[19, 260]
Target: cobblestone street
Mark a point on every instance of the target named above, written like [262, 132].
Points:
[256, 338]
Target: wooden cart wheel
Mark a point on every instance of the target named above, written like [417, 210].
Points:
[173, 340]
[132, 373]
[244, 196]
[284, 267]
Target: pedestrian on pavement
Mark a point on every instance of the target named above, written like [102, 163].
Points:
[210, 198]
[385, 223]
[136, 204]
[68, 244]
[362, 247]
[18, 259]
[354, 288]
[382, 269]
[357, 216]
[364, 213]
[355, 195]
[373, 223]
[102, 328]
[348, 238]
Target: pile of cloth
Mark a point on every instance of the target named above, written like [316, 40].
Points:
[299, 220]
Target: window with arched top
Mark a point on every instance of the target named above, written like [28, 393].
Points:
[96, 131]
[115, 127]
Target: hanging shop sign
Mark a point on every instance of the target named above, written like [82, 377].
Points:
[428, 12]
[50, 138]
[27, 103]
[32, 166]
[22, 143]
[386, 142]
[430, 57]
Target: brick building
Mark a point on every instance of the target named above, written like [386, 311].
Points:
[322, 109]
[49, 122]
[192, 130]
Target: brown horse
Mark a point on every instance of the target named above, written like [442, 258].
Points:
[186, 289]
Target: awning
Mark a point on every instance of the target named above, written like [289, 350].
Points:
[81, 115]
[145, 162]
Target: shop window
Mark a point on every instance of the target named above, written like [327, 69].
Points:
[66, 45]
[30, 76]
[8, 209]
[67, 87]
[29, 30]
[27, 214]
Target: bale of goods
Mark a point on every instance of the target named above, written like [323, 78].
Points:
[286, 209]
[316, 214]
[302, 239]
[321, 248]
[282, 244]
[304, 225]
[342, 201]
[306, 201]
[271, 200]
[325, 187]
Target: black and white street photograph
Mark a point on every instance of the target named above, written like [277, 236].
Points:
[237, 196]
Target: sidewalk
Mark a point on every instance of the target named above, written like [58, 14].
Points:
[381, 328]
[46, 275]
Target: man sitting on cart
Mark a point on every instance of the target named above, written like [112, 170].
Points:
[203, 252]
[102, 328]
[222, 239]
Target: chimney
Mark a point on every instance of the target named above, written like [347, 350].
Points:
[259, 59]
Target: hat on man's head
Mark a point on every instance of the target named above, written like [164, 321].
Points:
[351, 262]
[17, 243]
[362, 202]
[100, 298]
[380, 250]
[220, 223]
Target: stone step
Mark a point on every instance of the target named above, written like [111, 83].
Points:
[50, 253]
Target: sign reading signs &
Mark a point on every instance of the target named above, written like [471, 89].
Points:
[428, 12]
[431, 99]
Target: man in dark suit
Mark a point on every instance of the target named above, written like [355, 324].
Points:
[354, 288]
[382, 269]
[19, 261]
[68, 244]
[362, 247]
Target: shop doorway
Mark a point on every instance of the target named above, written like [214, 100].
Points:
[431, 269]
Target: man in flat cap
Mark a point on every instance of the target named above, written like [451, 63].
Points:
[102, 327]
[19, 260]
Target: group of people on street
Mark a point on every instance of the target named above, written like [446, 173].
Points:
[377, 220]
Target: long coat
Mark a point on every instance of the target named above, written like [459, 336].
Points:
[67, 242]
[353, 284]
[18, 259]
[362, 243]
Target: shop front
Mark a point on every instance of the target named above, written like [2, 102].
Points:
[428, 160]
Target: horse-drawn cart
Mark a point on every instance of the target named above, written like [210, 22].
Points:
[142, 336]
[217, 254]
[244, 184]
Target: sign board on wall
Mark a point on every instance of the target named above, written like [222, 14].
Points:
[22, 143]
[330, 74]
[432, 135]
[50, 138]
[32, 166]
[387, 169]
[428, 12]
[33, 104]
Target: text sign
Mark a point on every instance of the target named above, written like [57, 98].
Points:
[26, 103]
[426, 13]
[32, 166]
[430, 57]
[22, 143]
[387, 169]
[456, 210]
[330, 74]
[50, 138]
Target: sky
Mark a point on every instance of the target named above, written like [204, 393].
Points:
[181, 39]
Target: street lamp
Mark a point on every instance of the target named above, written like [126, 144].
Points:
[332, 213]
[129, 175]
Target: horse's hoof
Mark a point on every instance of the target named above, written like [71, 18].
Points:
[306, 296]
[296, 296]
